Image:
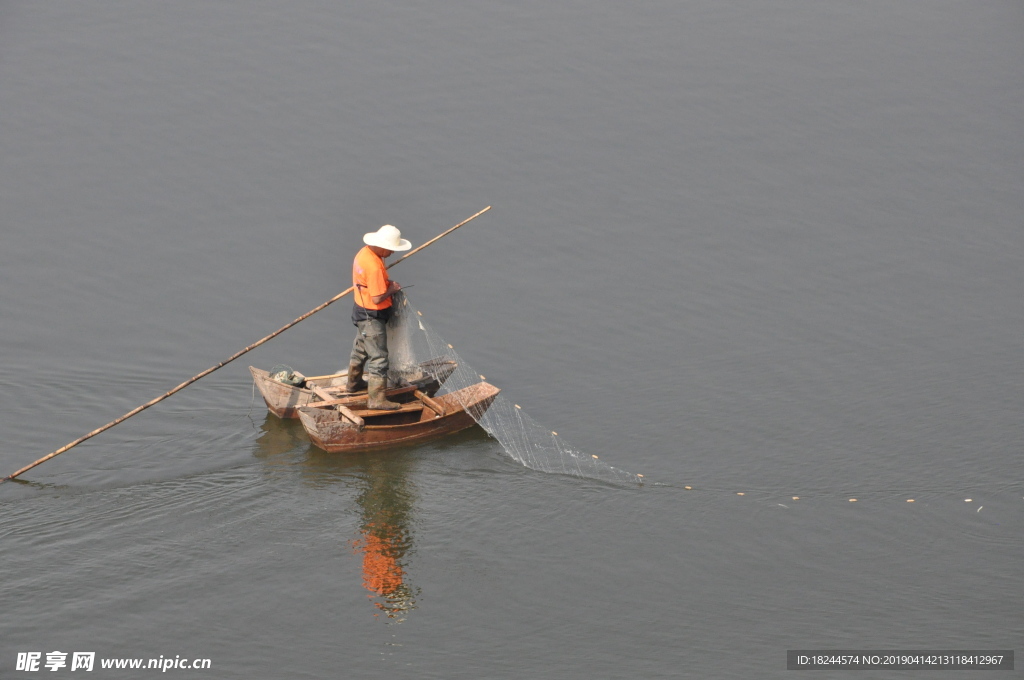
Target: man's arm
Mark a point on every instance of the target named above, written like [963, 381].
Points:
[393, 288]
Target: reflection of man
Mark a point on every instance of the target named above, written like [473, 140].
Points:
[370, 313]
[382, 573]
[384, 537]
[385, 498]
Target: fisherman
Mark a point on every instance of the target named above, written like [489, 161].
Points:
[370, 313]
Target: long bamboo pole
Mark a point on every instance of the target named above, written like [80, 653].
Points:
[227, 361]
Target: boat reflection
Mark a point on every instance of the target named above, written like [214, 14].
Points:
[385, 497]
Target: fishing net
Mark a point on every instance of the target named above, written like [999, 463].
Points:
[412, 342]
[287, 375]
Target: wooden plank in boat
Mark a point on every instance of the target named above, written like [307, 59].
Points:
[352, 417]
[353, 400]
[363, 412]
[326, 377]
[431, 404]
[322, 393]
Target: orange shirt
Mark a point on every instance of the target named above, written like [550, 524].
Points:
[370, 278]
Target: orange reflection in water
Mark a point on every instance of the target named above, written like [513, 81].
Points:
[382, 574]
[382, 548]
[384, 540]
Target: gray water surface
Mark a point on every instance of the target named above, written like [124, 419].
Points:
[769, 249]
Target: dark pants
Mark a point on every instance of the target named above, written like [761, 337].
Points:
[371, 347]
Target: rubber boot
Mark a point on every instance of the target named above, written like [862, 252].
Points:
[355, 379]
[378, 394]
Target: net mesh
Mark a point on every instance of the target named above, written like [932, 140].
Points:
[411, 341]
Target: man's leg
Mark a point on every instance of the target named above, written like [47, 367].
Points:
[374, 336]
[356, 361]
[375, 341]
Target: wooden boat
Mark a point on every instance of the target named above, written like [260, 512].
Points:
[283, 399]
[348, 427]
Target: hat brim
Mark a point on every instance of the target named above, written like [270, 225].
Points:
[372, 239]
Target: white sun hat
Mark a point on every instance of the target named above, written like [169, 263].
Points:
[387, 237]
